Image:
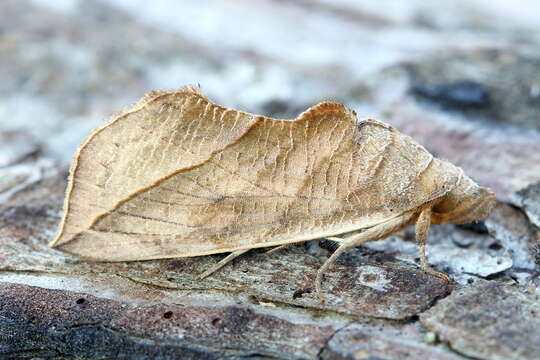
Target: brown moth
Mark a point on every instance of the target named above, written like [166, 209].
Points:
[177, 175]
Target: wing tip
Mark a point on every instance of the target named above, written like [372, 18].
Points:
[59, 239]
[68, 246]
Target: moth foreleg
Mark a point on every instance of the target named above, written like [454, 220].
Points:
[222, 263]
[277, 248]
[375, 233]
[422, 230]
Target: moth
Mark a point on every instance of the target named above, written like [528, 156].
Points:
[177, 176]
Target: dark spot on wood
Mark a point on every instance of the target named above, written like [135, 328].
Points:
[459, 94]
[300, 292]
[477, 227]
[168, 314]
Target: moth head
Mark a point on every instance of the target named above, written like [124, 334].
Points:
[466, 202]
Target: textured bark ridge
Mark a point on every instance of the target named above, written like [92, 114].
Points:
[471, 97]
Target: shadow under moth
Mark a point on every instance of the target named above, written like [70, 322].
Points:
[178, 176]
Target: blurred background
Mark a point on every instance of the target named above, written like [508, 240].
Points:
[462, 77]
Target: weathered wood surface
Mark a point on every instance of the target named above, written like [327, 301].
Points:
[462, 80]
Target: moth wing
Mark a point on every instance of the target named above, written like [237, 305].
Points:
[163, 133]
[281, 182]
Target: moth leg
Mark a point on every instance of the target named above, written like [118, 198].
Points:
[334, 238]
[277, 248]
[375, 233]
[222, 263]
[422, 230]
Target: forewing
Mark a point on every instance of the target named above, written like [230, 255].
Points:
[164, 133]
[281, 182]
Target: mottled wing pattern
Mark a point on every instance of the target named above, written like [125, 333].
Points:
[281, 181]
